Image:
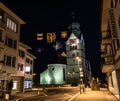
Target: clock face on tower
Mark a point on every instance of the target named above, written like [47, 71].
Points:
[73, 41]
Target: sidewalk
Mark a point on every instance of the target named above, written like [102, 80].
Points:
[91, 95]
[18, 96]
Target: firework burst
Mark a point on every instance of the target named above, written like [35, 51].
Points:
[58, 45]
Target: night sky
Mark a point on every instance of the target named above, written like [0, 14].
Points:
[48, 16]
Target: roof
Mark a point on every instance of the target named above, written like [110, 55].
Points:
[31, 55]
[24, 45]
[59, 59]
[7, 10]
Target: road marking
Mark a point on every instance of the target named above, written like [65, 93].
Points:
[74, 96]
[39, 95]
[68, 95]
[45, 94]
[18, 99]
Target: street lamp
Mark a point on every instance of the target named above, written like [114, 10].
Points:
[81, 74]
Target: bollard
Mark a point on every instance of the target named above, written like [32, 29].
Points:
[80, 89]
[38, 91]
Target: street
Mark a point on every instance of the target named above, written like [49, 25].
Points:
[72, 94]
[54, 94]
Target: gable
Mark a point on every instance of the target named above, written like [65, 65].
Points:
[72, 40]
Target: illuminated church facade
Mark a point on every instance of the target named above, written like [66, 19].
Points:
[76, 69]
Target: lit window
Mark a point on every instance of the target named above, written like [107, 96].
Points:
[14, 85]
[11, 25]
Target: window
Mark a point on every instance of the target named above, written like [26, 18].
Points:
[0, 18]
[21, 53]
[20, 67]
[27, 84]
[119, 22]
[63, 74]
[77, 53]
[29, 61]
[53, 69]
[13, 61]
[27, 69]
[1, 15]
[11, 25]
[9, 60]
[15, 83]
[73, 55]
[8, 63]
[75, 47]
[73, 60]
[0, 35]
[112, 4]
[12, 43]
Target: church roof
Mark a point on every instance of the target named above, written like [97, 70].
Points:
[59, 59]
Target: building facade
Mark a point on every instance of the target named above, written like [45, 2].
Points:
[22, 80]
[10, 46]
[76, 68]
[55, 74]
[9, 43]
[77, 64]
[110, 43]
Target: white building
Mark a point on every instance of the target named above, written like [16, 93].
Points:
[55, 74]
[110, 43]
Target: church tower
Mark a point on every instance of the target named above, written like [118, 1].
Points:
[75, 51]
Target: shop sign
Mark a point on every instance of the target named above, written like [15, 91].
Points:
[113, 23]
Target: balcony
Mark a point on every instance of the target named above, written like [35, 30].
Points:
[107, 64]
[117, 55]
[28, 76]
[108, 56]
[106, 41]
[108, 68]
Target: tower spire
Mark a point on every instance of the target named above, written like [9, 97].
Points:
[74, 18]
